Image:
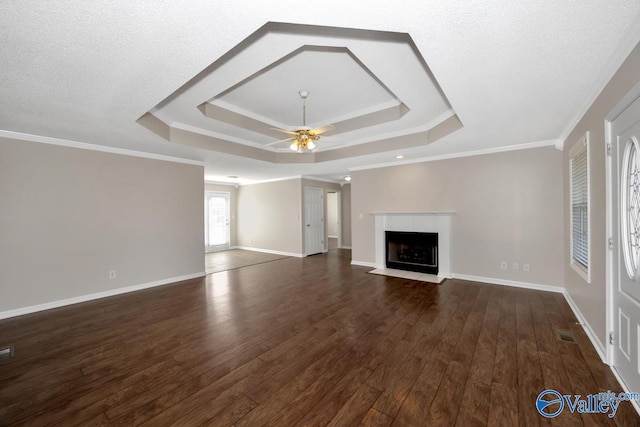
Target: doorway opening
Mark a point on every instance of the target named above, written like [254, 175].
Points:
[334, 225]
[216, 221]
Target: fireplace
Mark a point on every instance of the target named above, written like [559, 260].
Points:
[439, 222]
[412, 251]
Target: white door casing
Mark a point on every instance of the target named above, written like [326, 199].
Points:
[625, 262]
[339, 215]
[313, 220]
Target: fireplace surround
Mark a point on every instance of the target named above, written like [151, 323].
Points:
[425, 222]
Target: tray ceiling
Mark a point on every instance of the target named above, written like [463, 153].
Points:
[234, 104]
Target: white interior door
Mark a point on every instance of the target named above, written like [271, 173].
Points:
[216, 221]
[625, 210]
[313, 221]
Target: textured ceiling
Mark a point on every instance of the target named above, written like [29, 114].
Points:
[513, 73]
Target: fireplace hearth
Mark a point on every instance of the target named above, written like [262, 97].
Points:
[412, 251]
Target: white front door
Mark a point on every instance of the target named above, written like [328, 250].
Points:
[216, 221]
[625, 217]
[313, 221]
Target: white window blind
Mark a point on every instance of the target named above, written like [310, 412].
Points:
[580, 206]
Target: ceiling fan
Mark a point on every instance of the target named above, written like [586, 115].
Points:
[303, 138]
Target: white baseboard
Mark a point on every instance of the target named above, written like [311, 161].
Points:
[84, 298]
[513, 283]
[364, 264]
[269, 251]
[332, 237]
[635, 403]
[345, 247]
[600, 348]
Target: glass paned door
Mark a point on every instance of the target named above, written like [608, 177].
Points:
[216, 221]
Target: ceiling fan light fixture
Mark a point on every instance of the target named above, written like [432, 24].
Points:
[304, 137]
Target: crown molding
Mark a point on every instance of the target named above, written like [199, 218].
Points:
[93, 147]
[266, 181]
[517, 147]
[228, 184]
[313, 178]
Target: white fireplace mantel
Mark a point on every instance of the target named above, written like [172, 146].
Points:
[424, 222]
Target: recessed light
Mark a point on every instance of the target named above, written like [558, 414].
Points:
[347, 178]
[399, 156]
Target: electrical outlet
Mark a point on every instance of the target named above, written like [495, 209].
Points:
[112, 274]
[503, 265]
[525, 267]
[515, 266]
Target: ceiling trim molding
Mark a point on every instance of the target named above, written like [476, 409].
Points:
[93, 147]
[227, 184]
[266, 181]
[540, 144]
[313, 178]
[616, 59]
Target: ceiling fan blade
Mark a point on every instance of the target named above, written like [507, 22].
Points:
[322, 129]
[288, 132]
[278, 142]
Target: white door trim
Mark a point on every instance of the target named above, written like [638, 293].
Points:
[339, 213]
[609, 309]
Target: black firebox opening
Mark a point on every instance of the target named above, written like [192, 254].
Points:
[412, 251]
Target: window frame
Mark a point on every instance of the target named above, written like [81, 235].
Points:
[578, 149]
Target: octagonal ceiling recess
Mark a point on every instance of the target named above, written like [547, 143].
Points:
[373, 86]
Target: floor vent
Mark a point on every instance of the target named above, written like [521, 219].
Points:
[6, 352]
[566, 336]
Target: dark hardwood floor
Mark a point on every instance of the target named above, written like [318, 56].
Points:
[311, 341]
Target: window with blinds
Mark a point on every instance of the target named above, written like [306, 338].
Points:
[580, 207]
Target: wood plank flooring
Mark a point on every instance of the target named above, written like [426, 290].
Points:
[311, 342]
[235, 258]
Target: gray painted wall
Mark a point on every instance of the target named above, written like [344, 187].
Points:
[346, 215]
[269, 216]
[68, 216]
[509, 207]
